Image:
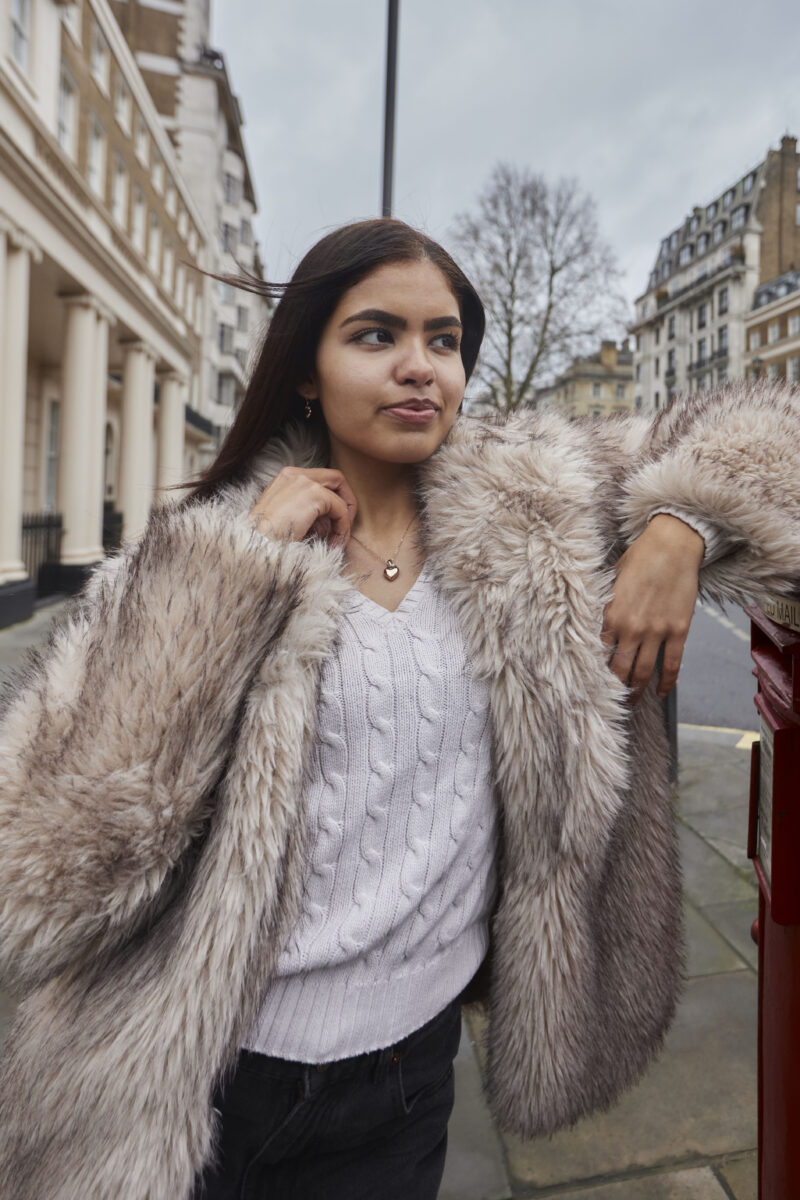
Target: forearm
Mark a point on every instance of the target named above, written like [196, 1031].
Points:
[115, 738]
[731, 458]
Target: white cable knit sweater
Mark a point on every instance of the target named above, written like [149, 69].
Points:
[401, 874]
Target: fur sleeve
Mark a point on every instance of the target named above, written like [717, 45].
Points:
[731, 457]
[113, 738]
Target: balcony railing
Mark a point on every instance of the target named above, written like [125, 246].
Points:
[41, 549]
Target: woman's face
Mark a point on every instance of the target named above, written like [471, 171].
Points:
[393, 339]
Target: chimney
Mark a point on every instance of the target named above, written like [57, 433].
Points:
[608, 355]
[789, 145]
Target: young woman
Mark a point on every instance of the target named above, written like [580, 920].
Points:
[364, 729]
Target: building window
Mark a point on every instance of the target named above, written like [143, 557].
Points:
[142, 139]
[229, 239]
[246, 234]
[702, 243]
[51, 468]
[673, 241]
[657, 334]
[747, 186]
[722, 338]
[637, 404]
[137, 226]
[656, 366]
[755, 339]
[242, 319]
[67, 112]
[711, 211]
[227, 293]
[119, 192]
[20, 32]
[693, 224]
[96, 156]
[739, 216]
[620, 391]
[171, 202]
[638, 371]
[226, 390]
[167, 265]
[158, 173]
[101, 59]
[656, 401]
[793, 325]
[638, 341]
[192, 243]
[670, 360]
[701, 317]
[727, 199]
[71, 16]
[183, 224]
[123, 105]
[772, 371]
[722, 301]
[189, 310]
[773, 332]
[225, 334]
[232, 189]
[793, 369]
[685, 255]
[797, 215]
[701, 351]
[718, 232]
[154, 243]
[671, 327]
[722, 375]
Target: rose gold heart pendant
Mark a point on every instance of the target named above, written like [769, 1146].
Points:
[391, 570]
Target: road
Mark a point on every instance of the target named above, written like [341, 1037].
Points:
[716, 686]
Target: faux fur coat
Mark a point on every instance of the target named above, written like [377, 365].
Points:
[152, 833]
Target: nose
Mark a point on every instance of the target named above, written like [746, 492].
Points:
[414, 365]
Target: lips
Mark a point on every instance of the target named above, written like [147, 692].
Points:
[415, 406]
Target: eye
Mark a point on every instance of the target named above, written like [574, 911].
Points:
[373, 337]
[447, 341]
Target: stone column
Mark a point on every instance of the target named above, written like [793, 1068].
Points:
[136, 439]
[171, 425]
[14, 332]
[98, 450]
[80, 460]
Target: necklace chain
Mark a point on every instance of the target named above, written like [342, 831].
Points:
[391, 569]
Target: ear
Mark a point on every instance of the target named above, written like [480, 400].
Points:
[308, 389]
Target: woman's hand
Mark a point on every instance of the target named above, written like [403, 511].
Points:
[654, 597]
[306, 500]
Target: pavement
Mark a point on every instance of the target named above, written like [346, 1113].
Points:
[688, 1130]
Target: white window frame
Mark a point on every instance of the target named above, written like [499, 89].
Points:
[67, 120]
[168, 265]
[171, 201]
[739, 217]
[180, 285]
[722, 338]
[755, 339]
[71, 17]
[154, 241]
[793, 369]
[21, 33]
[120, 191]
[141, 139]
[100, 58]
[96, 166]
[123, 104]
[158, 173]
[727, 199]
[773, 332]
[772, 370]
[718, 233]
[139, 220]
[793, 325]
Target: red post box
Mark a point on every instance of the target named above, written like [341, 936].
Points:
[774, 847]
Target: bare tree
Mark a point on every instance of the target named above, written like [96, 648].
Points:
[546, 277]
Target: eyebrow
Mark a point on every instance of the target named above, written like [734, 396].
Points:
[395, 322]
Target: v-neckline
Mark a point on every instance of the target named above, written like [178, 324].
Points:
[377, 612]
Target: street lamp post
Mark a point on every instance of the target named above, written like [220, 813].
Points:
[388, 123]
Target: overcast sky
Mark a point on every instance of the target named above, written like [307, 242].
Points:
[653, 107]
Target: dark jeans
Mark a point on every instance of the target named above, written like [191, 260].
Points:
[372, 1127]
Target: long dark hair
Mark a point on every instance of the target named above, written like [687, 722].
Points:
[287, 357]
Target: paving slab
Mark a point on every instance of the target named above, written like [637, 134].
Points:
[708, 952]
[741, 1176]
[699, 1184]
[707, 876]
[733, 923]
[698, 1101]
[726, 830]
[475, 1166]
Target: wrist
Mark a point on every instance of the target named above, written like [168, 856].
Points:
[675, 536]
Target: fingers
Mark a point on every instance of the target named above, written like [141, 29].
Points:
[673, 655]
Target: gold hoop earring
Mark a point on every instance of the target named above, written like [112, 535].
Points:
[308, 409]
